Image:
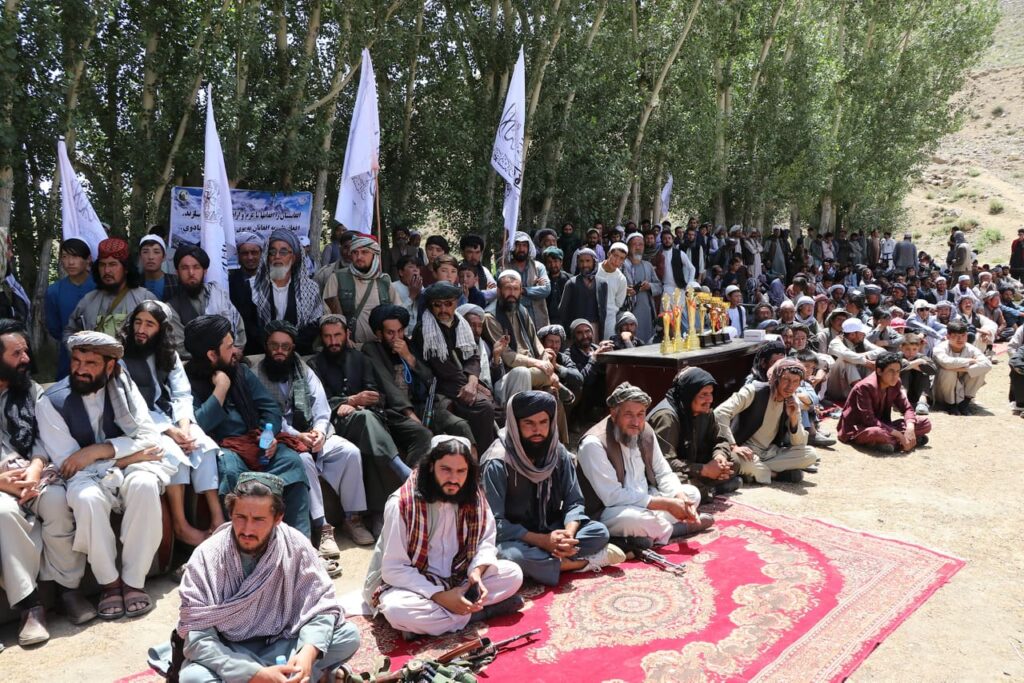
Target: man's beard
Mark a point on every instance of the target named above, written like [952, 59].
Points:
[255, 551]
[227, 367]
[622, 437]
[519, 257]
[334, 353]
[279, 272]
[17, 376]
[279, 371]
[136, 350]
[109, 286]
[536, 451]
[86, 387]
[449, 497]
[193, 291]
[509, 304]
[637, 257]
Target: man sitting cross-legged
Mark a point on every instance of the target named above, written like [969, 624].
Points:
[437, 545]
[306, 427]
[690, 437]
[96, 428]
[962, 369]
[867, 415]
[233, 407]
[255, 591]
[626, 474]
[762, 423]
[531, 486]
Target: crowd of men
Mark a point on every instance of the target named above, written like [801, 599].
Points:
[437, 403]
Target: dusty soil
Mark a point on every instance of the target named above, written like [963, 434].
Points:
[960, 494]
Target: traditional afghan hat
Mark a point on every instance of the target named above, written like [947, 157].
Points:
[336, 319]
[153, 239]
[549, 330]
[441, 291]
[553, 252]
[581, 321]
[281, 326]
[627, 392]
[364, 242]
[389, 312]
[96, 342]
[113, 247]
[205, 333]
[193, 250]
[271, 481]
[246, 237]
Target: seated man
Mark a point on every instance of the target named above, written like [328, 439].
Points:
[917, 373]
[436, 546]
[627, 479]
[584, 354]
[97, 431]
[762, 423]
[854, 356]
[33, 511]
[306, 427]
[254, 592]
[962, 368]
[625, 336]
[156, 369]
[553, 337]
[690, 438]
[281, 290]
[531, 486]
[232, 407]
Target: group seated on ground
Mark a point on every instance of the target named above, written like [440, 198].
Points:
[461, 419]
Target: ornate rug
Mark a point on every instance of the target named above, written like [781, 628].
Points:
[764, 597]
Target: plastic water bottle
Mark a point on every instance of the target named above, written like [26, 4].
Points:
[266, 438]
[281, 660]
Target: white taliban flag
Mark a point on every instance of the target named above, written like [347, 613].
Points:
[362, 156]
[666, 196]
[78, 219]
[217, 237]
[507, 157]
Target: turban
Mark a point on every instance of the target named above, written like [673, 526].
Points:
[440, 291]
[76, 247]
[113, 247]
[872, 289]
[280, 326]
[509, 273]
[586, 251]
[388, 312]
[627, 392]
[853, 326]
[527, 403]
[959, 237]
[271, 481]
[246, 237]
[581, 321]
[900, 286]
[804, 301]
[769, 324]
[471, 242]
[445, 438]
[620, 246]
[633, 236]
[205, 333]
[471, 309]
[287, 236]
[781, 367]
[333, 319]
[833, 288]
[520, 236]
[96, 342]
[551, 329]
[624, 318]
[554, 252]
[155, 239]
[195, 252]
[363, 242]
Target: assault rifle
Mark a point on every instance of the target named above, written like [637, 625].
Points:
[428, 409]
[641, 546]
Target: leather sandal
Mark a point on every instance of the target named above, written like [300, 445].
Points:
[110, 598]
[137, 595]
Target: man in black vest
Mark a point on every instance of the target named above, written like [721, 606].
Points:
[249, 248]
[762, 424]
[192, 296]
[155, 367]
[579, 298]
[361, 414]
[96, 429]
[628, 483]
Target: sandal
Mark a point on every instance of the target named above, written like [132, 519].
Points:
[132, 595]
[332, 567]
[110, 598]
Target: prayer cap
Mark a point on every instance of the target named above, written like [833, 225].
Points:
[444, 438]
[634, 235]
[991, 293]
[553, 252]
[363, 242]
[964, 278]
[440, 291]
[473, 309]
[471, 242]
[940, 279]
[205, 333]
[835, 287]
[246, 237]
[586, 251]
[388, 312]
[944, 304]
[153, 239]
[627, 392]
[280, 326]
[508, 272]
[76, 246]
[921, 304]
[193, 250]
[527, 403]
[96, 342]
[854, 325]
[620, 246]
[804, 301]
[334, 319]
[271, 481]
[730, 289]
[549, 330]
[113, 247]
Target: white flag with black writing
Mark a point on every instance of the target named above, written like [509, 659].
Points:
[507, 157]
[78, 219]
[666, 197]
[217, 237]
[362, 156]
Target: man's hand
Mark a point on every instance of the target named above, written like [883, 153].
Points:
[563, 545]
[477, 577]
[869, 364]
[182, 438]
[793, 411]
[743, 452]
[606, 345]
[345, 409]
[84, 457]
[681, 509]
[303, 660]
[221, 380]
[467, 394]
[492, 285]
[315, 440]
[540, 282]
[630, 291]
[644, 286]
[401, 347]
[411, 414]
[32, 474]
[453, 601]
[364, 398]
[415, 286]
[716, 469]
[13, 482]
[151, 454]
[546, 366]
[499, 347]
[285, 673]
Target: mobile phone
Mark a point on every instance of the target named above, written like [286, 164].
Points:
[472, 593]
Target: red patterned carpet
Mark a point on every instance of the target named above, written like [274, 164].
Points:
[764, 596]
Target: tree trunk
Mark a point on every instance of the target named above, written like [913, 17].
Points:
[539, 67]
[37, 326]
[9, 32]
[652, 102]
[299, 93]
[137, 201]
[766, 46]
[404, 180]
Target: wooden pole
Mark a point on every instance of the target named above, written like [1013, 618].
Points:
[376, 198]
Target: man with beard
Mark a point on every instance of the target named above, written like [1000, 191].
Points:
[33, 512]
[437, 544]
[553, 338]
[152, 253]
[306, 427]
[579, 299]
[627, 480]
[444, 340]
[361, 414]
[472, 247]
[232, 407]
[282, 291]
[584, 353]
[356, 290]
[593, 243]
[254, 593]
[690, 438]
[569, 242]
[403, 382]
[157, 371]
[855, 360]
[117, 292]
[193, 296]
[96, 429]
[692, 245]
[521, 258]
[643, 287]
[249, 250]
[530, 482]
[64, 294]
[559, 279]
[679, 271]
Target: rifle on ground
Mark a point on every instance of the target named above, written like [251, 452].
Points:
[428, 409]
[641, 548]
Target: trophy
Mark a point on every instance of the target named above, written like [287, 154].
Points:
[692, 343]
[677, 322]
[703, 306]
[666, 325]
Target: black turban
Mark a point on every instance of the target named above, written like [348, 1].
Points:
[205, 333]
[440, 291]
[193, 250]
[527, 403]
[281, 326]
[474, 241]
[76, 246]
[388, 312]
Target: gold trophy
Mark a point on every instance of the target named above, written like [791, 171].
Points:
[666, 325]
[692, 343]
[677, 322]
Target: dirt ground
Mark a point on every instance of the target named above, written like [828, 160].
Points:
[960, 494]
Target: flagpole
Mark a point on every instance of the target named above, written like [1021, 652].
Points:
[376, 197]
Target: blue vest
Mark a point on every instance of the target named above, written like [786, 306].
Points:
[71, 406]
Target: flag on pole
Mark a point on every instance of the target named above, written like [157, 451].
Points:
[507, 157]
[362, 156]
[666, 196]
[217, 237]
[78, 218]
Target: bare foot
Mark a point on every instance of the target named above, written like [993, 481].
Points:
[187, 533]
